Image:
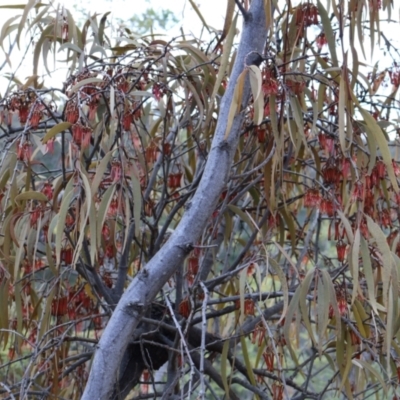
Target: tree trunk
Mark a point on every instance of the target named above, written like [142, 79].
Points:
[147, 284]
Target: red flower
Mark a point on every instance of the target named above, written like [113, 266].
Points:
[358, 192]
[277, 391]
[375, 4]
[36, 116]
[64, 31]
[193, 265]
[312, 198]
[184, 307]
[123, 85]
[35, 215]
[345, 167]
[295, 87]
[59, 306]
[379, 170]
[67, 255]
[24, 151]
[341, 302]
[107, 279]
[330, 172]
[355, 339]
[149, 208]
[270, 84]
[310, 13]
[326, 142]
[47, 190]
[158, 90]
[386, 221]
[116, 171]
[106, 232]
[50, 146]
[23, 113]
[93, 108]
[269, 357]
[270, 87]
[258, 335]
[113, 208]
[321, 40]
[396, 168]
[71, 112]
[166, 149]
[341, 250]
[81, 135]
[127, 120]
[11, 353]
[144, 387]
[151, 153]
[395, 76]
[261, 135]
[69, 221]
[249, 307]
[328, 207]
[174, 180]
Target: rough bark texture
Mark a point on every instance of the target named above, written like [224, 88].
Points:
[148, 283]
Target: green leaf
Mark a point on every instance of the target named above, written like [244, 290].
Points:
[355, 249]
[51, 133]
[224, 365]
[304, 289]
[36, 54]
[100, 170]
[327, 29]
[323, 313]
[101, 28]
[31, 195]
[365, 365]
[258, 98]
[137, 199]
[102, 211]
[71, 46]
[200, 15]
[84, 82]
[29, 6]
[236, 103]
[285, 288]
[384, 249]
[374, 129]
[68, 194]
[247, 362]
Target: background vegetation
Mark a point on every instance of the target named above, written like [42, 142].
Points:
[273, 274]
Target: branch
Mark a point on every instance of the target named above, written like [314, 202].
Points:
[242, 9]
[123, 264]
[250, 387]
[150, 280]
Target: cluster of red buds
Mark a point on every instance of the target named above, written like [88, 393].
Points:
[295, 86]
[159, 90]
[270, 84]
[249, 306]
[81, 135]
[29, 108]
[312, 198]
[394, 75]
[341, 299]
[331, 172]
[321, 40]
[307, 15]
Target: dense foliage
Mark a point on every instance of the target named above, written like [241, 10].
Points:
[292, 289]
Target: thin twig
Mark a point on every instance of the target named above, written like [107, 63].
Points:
[203, 338]
[242, 9]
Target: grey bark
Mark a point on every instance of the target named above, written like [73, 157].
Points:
[162, 266]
